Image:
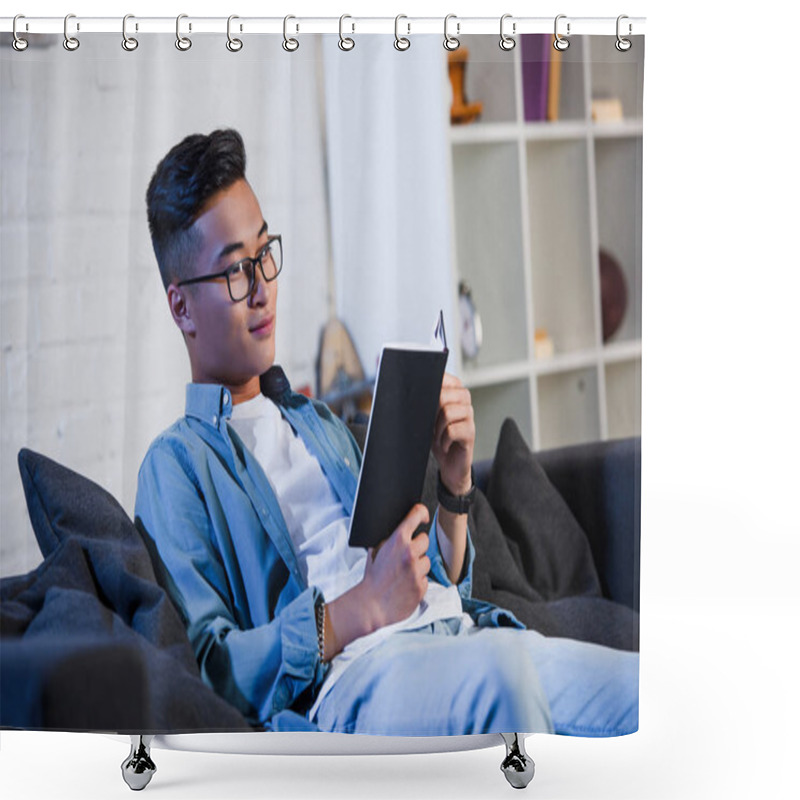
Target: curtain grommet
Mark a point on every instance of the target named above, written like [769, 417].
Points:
[507, 42]
[346, 43]
[401, 43]
[289, 44]
[18, 43]
[451, 43]
[183, 43]
[233, 44]
[622, 44]
[129, 43]
[70, 43]
[560, 42]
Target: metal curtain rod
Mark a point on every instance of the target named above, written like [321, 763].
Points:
[299, 25]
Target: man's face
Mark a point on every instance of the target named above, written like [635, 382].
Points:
[230, 343]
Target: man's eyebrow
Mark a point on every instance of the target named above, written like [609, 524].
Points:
[233, 246]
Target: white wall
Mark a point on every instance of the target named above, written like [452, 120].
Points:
[92, 365]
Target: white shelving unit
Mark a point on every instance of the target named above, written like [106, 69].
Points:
[533, 204]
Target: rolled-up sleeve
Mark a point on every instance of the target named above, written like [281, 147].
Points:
[439, 570]
[261, 670]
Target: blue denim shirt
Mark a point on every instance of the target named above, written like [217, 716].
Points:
[206, 507]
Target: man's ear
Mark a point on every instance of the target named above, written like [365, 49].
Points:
[179, 308]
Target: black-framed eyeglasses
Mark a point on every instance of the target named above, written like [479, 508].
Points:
[241, 276]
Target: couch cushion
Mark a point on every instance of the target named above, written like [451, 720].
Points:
[95, 591]
[552, 548]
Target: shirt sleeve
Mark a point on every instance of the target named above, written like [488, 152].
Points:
[261, 670]
[439, 571]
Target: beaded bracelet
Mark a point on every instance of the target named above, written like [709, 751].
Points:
[320, 615]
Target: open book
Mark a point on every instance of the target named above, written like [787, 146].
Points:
[399, 437]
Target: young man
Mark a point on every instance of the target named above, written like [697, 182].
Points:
[247, 500]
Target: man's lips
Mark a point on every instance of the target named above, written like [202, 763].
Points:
[264, 326]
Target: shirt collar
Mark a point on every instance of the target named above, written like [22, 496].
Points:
[211, 402]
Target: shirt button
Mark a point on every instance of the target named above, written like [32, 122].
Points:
[347, 462]
[225, 398]
[214, 420]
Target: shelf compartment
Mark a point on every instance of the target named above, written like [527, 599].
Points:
[619, 220]
[492, 404]
[489, 246]
[618, 75]
[569, 411]
[572, 103]
[489, 79]
[624, 398]
[561, 257]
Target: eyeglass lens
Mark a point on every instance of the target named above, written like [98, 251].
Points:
[242, 281]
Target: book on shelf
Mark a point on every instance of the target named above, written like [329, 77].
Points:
[554, 83]
[535, 75]
[541, 77]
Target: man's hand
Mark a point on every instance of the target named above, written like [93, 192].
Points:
[396, 575]
[454, 436]
[395, 580]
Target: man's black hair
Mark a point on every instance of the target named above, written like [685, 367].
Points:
[193, 171]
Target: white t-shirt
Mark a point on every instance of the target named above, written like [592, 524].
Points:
[319, 527]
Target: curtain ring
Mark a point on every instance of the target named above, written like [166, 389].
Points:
[507, 42]
[623, 45]
[400, 42]
[19, 44]
[183, 43]
[289, 45]
[560, 42]
[451, 42]
[234, 45]
[70, 42]
[129, 43]
[345, 42]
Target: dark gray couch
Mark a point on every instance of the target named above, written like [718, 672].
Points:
[91, 641]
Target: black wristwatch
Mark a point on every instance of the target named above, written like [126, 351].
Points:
[455, 503]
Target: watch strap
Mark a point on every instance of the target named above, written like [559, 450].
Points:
[455, 503]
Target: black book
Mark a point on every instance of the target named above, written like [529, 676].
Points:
[399, 437]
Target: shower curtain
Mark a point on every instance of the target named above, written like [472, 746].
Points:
[498, 184]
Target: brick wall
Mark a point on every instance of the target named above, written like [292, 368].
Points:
[92, 364]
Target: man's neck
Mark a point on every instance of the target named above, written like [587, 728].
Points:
[244, 392]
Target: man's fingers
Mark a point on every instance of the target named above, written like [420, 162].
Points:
[417, 516]
[457, 433]
[419, 545]
[452, 414]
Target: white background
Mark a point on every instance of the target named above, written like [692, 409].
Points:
[720, 697]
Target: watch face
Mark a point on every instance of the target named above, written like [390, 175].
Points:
[471, 331]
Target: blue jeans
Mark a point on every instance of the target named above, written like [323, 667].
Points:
[444, 680]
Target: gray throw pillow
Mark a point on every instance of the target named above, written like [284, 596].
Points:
[554, 552]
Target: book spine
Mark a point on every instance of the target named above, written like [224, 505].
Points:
[554, 88]
[535, 75]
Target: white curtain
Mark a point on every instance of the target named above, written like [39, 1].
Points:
[387, 117]
[93, 367]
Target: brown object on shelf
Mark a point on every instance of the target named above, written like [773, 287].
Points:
[542, 344]
[613, 294]
[461, 111]
[341, 382]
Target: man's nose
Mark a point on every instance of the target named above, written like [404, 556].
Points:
[260, 292]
